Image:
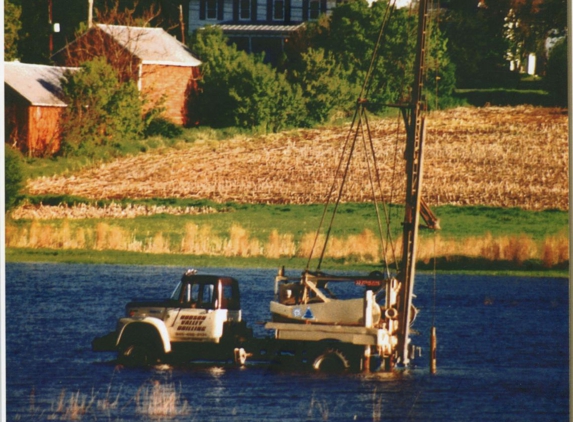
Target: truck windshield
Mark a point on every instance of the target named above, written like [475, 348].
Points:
[176, 293]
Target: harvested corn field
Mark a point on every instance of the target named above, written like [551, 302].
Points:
[496, 156]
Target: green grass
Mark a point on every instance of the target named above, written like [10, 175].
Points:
[462, 266]
[525, 89]
[460, 222]
[261, 220]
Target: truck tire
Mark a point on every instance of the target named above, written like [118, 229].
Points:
[138, 354]
[140, 346]
[331, 360]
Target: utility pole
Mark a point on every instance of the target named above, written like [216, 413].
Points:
[90, 13]
[181, 23]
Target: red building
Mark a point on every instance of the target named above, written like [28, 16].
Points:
[164, 69]
[33, 107]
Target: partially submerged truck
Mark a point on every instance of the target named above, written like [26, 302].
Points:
[201, 320]
[312, 327]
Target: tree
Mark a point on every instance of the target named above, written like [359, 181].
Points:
[238, 89]
[556, 80]
[325, 86]
[530, 23]
[478, 42]
[72, 17]
[351, 35]
[102, 111]
[12, 25]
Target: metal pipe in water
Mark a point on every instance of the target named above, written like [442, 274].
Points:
[433, 350]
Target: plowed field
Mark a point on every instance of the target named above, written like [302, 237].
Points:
[497, 156]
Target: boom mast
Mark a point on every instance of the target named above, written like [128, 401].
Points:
[415, 124]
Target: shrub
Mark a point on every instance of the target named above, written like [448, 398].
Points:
[102, 112]
[325, 86]
[238, 89]
[13, 176]
[160, 126]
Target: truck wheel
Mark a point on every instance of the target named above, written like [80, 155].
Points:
[331, 360]
[138, 354]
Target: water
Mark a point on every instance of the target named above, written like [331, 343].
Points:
[502, 354]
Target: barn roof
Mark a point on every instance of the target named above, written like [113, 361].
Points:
[151, 45]
[39, 84]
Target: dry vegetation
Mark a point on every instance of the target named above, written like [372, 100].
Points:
[508, 157]
[47, 212]
[153, 401]
[364, 247]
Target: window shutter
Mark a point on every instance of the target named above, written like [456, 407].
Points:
[236, 6]
[305, 10]
[202, 9]
[254, 10]
[287, 11]
[269, 10]
[220, 10]
[322, 6]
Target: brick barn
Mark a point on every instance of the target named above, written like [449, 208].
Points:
[33, 107]
[164, 69]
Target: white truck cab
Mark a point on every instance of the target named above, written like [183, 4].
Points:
[201, 320]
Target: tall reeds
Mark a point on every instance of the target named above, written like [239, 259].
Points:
[203, 240]
[153, 400]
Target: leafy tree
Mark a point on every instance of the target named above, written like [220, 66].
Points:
[33, 43]
[72, 16]
[13, 176]
[351, 35]
[12, 25]
[238, 89]
[101, 112]
[557, 73]
[530, 23]
[325, 86]
[477, 41]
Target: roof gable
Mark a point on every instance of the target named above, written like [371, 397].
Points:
[151, 45]
[39, 84]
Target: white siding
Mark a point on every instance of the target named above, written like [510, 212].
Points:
[295, 13]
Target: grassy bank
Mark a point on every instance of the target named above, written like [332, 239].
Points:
[457, 265]
[472, 238]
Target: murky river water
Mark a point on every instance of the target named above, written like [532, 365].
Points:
[502, 355]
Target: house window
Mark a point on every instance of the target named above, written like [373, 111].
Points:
[245, 9]
[314, 9]
[212, 9]
[278, 10]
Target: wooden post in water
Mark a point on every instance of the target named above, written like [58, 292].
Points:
[433, 351]
[367, 354]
